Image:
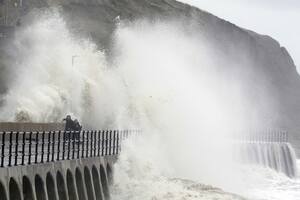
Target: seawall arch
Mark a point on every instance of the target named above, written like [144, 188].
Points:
[46, 165]
[50, 185]
[278, 156]
[71, 186]
[27, 189]
[3, 195]
[104, 182]
[80, 185]
[89, 184]
[61, 187]
[97, 184]
[58, 180]
[14, 190]
[39, 188]
[109, 173]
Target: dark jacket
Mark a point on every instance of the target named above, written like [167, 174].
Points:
[69, 124]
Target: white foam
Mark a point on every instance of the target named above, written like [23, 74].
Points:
[162, 79]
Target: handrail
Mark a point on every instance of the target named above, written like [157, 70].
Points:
[273, 136]
[26, 148]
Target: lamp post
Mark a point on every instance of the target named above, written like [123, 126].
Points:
[73, 59]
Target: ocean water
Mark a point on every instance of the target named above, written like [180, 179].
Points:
[137, 177]
[267, 184]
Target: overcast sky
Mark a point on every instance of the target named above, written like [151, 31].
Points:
[278, 18]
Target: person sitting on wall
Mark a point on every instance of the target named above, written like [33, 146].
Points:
[68, 127]
[69, 123]
[77, 128]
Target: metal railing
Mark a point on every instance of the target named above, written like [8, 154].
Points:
[264, 136]
[26, 148]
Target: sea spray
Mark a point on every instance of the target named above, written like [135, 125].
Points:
[161, 78]
[139, 176]
[55, 73]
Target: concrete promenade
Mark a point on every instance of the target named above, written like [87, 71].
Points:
[58, 165]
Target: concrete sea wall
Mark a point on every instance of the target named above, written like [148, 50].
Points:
[83, 179]
[13, 126]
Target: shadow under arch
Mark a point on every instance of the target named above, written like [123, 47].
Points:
[104, 182]
[14, 191]
[60, 184]
[88, 184]
[71, 186]
[27, 189]
[39, 188]
[50, 185]
[109, 174]
[2, 192]
[79, 184]
[97, 184]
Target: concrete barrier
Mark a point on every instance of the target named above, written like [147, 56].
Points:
[26, 127]
[82, 179]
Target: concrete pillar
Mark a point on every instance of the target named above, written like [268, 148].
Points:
[61, 186]
[97, 184]
[80, 185]
[104, 182]
[50, 186]
[89, 184]
[72, 192]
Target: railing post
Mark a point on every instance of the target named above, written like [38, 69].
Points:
[23, 147]
[109, 142]
[87, 144]
[53, 146]
[91, 143]
[43, 146]
[49, 145]
[82, 149]
[36, 147]
[120, 139]
[58, 145]
[16, 149]
[278, 136]
[95, 143]
[106, 142]
[29, 150]
[114, 142]
[102, 143]
[69, 144]
[10, 148]
[117, 143]
[73, 144]
[99, 142]
[3, 149]
[272, 136]
[64, 145]
[78, 145]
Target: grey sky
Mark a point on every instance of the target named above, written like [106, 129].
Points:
[278, 18]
